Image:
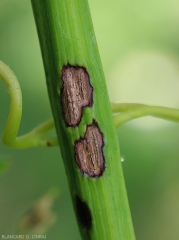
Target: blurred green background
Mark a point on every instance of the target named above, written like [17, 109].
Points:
[139, 46]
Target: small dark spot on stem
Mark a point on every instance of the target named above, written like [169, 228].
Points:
[89, 152]
[49, 144]
[76, 93]
[83, 214]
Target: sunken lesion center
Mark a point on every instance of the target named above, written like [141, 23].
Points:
[89, 152]
[76, 94]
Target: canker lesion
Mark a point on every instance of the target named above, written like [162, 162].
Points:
[83, 214]
[76, 93]
[89, 152]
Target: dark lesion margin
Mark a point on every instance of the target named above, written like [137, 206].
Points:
[93, 168]
[89, 101]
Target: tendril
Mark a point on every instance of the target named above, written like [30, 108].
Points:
[34, 138]
[125, 112]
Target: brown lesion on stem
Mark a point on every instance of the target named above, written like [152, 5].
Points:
[89, 152]
[76, 93]
[83, 214]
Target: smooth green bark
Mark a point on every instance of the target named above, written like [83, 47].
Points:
[66, 37]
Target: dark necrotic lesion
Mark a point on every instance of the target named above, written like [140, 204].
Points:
[76, 93]
[89, 152]
[83, 214]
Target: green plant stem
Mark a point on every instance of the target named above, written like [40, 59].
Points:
[66, 37]
[129, 111]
